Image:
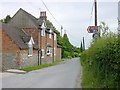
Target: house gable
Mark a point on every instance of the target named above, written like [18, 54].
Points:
[22, 19]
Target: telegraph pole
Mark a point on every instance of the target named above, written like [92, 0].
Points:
[83, 44]
[96, 31]
[95, 12]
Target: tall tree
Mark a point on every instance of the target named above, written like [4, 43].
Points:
[81, 47]
[83, 44]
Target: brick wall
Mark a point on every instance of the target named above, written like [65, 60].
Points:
[7, 44]
[9, 60]
[9, 50]
[17, 60]
[58, 53]
[13, 57]
[28, 61]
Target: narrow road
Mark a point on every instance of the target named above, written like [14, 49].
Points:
[65, 75]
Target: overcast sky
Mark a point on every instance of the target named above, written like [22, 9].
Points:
[73, 15]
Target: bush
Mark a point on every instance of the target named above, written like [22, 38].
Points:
[102, 60]
[66, 54]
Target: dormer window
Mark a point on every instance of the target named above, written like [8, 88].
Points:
[55, 36]
[30, 47]
[43, 32]
[43, 27]
[30, 50]
[50, 35]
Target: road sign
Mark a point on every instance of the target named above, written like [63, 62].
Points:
[93, 29]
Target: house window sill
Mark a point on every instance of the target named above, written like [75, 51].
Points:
[42, 57]
[29, 55]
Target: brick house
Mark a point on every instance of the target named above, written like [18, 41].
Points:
[28, 41]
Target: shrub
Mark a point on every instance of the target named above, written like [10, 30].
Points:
[102, 59]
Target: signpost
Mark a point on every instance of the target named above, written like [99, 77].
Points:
[93, 29]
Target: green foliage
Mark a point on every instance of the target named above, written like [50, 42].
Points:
[102, 62]
[67, 54]
[81, 47]
[65, 42]
[50, 25]
[6, 19]
[68, 50]
[104, 28]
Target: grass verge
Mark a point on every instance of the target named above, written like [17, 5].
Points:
[41, 66]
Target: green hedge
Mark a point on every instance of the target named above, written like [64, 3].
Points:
[102, 62]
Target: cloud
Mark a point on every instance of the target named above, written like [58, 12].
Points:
[74, 15]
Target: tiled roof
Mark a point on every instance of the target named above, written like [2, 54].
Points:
[17, 35]
[36, 21]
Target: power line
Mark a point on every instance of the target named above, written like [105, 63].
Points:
[91, 13]
[75, 38]
[50, 12]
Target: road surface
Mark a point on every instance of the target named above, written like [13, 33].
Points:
[65, 75]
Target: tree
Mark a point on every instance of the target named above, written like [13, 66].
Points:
[81, 47]
[104, 28]
[68, 49]
[6, 19]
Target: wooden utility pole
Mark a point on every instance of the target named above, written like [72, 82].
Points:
[95, 12]
[83, 44]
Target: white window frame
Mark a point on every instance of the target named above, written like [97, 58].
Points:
[51, 52]
[54, 51]
[48, 51]
[43, 32]
[30, 47]
[43, 27]
[42, 53]
[50, 36]
[30, 50]
[54, 36]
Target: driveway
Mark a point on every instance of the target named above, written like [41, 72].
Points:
[65, 75]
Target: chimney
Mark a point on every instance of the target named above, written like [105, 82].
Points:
[43, 15]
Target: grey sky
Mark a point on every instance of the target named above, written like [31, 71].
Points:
[74, 15]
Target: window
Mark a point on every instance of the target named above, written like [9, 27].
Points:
[54, 36]
[30, 47]
[50, 35]
[43, 29]
[42, 53]
[49, 51]
[43, 32]
[30, 50]
[54, 51]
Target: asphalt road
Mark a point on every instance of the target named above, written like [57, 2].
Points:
[65, 75]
